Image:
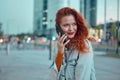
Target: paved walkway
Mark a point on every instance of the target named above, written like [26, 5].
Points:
[107, 68]
[34, 65]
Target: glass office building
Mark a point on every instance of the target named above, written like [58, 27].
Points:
[88, 8]
[38, 13]
[45, 12]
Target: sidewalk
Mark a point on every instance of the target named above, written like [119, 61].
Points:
[34, 65]
[24, 65]
[107, 68]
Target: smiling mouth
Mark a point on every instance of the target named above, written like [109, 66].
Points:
[71, 33]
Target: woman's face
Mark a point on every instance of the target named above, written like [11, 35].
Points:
[69, 26]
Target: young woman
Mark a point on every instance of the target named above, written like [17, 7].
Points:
[74, 55]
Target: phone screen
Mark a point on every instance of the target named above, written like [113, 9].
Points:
[59, 31]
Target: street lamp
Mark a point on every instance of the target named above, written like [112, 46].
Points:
[117, 31]
[104, 19]
[50, 45]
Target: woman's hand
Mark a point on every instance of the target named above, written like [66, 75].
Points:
[61, 44]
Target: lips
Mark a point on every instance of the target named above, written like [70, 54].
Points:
[70, 33]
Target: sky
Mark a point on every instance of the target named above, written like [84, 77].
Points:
[17, 15]
[111, 11]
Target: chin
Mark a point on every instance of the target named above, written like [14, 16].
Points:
[70, 37]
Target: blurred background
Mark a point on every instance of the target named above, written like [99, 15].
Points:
[27, 36]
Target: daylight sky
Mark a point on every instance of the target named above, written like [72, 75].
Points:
[17, 15]
[111, 11]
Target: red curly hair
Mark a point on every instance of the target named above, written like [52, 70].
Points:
[82, 30]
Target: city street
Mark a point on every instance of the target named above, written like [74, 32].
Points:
[34, 65]
[31, 31]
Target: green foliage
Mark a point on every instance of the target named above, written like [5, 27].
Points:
[118, 36]
[1, 35]
[113, 30]
[22, 35]
[99, 27]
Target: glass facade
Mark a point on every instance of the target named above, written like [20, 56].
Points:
[38, 12]
[88, 8]
[45, 11]
[93, 13]
[44, 18]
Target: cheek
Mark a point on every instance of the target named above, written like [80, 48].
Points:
[65, 29]
[75, 28]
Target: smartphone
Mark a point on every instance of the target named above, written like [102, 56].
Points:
[59, 31]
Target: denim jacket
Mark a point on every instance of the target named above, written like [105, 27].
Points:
[75, 66]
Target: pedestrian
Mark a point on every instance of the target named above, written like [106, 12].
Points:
[74, 54]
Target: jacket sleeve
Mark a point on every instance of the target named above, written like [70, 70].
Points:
[54, 55]
[53, 68]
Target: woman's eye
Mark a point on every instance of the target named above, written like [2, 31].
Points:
[66, 25]
[74, 24]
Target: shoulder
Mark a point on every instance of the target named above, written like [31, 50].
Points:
[91, 52]
[89, 43]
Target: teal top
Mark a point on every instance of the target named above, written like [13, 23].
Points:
[75, 66]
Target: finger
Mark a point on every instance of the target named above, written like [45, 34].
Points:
[66, 42]
[59, 35]
[63, 39]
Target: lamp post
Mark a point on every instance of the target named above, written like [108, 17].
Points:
[50, 45]
[8, 40]
[104, 19]
[117, 30]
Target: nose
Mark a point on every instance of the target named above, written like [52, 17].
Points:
[70, 27]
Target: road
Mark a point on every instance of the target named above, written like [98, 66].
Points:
[34, 65]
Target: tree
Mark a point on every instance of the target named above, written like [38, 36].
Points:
[113, 30]
[99, 27]
[1, 32]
